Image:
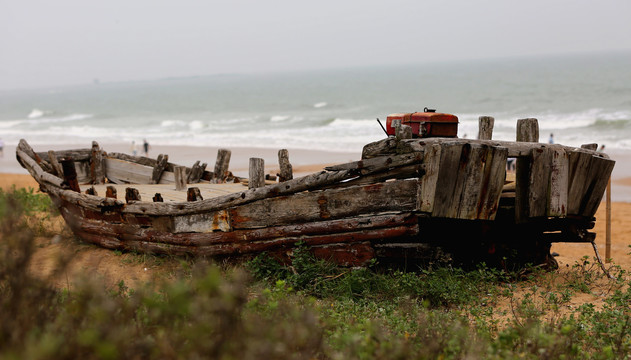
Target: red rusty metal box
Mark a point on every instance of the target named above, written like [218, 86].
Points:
[428, 123]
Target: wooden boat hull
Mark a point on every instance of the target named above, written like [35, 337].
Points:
[432, 199]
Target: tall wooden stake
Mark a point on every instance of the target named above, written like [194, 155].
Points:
[485, 127]
[256, 173]
[286, 170]
[180, 177]
[608, 219]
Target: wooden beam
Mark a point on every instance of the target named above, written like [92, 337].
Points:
[591, 146]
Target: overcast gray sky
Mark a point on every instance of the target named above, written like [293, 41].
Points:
[45, 43]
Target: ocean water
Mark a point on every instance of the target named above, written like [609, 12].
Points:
[579, 98]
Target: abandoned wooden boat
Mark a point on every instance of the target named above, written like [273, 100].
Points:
[407, 198]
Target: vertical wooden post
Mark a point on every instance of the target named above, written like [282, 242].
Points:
[256, 173]
[55, 164]
[608, 219]
[70, 173]
[110, 192]
[163, 161]
[286, 170]
[193, 194]
[527, 131]
[158, 198]
[485, 127]
[221, 165]
[132, 194]
[180, 177]
[97, 165]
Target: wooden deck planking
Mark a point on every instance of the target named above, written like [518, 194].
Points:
[168, 192]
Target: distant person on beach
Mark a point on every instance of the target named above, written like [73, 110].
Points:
[133, 148]
[1, 148]
[551, 139]
[145, 147]
[601, 149]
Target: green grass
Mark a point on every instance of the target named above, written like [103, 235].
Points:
[306, 309]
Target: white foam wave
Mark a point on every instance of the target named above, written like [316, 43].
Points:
[35, 113]
[320, 105]
[172, 123]
[278, 118]
[196, 125]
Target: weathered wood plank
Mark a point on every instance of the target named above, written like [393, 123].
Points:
[158, 169]
[379, 148]
[37, 172]
[256, 173]
[382, 163]
[221, 166]
[472, 185]
[429, 181]
[28, 150]
[579, 171]
[515, 149]
[79, 155]
[324, 205]
[70, 174]
[485, 127]
[590, 146]
[56, 167]
[601, 170]
[180, 178]
[493, 182]
[248, 241]
[559, 186]
[286, 170]
[195, 174]
[528, 132]
[539, 181]
[447, 178]
[402, 172]
[214, 228]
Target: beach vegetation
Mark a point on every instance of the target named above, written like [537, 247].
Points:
[303, 308]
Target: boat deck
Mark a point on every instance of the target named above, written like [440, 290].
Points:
[168, 192]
